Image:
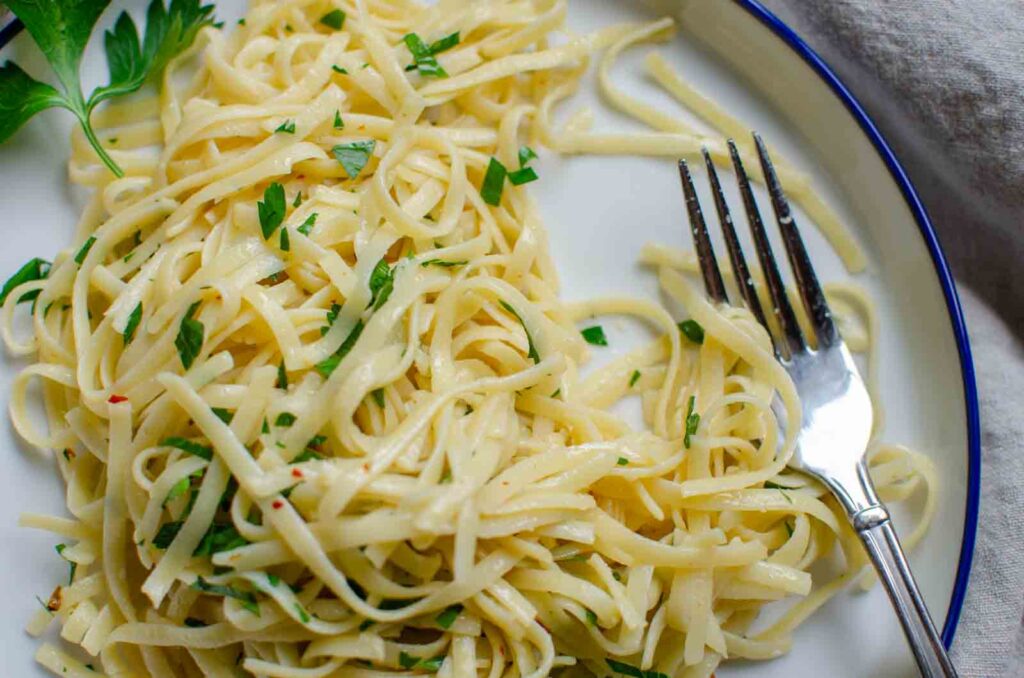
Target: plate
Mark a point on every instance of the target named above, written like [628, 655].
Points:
[599, 212]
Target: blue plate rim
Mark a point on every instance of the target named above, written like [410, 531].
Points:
[956, 317]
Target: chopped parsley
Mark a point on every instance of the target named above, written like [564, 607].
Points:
[134, 318]
[298, 199]
[74, 566]
[303, 615]
[307, 225]
[591, 617]
[354, 155]
[423, 55]
[194, 623]
[338, 122]
[634, 378]
[693, 331]
[448, 616]
[332, 315]
[223, 414]
[189, 341]
[178, 489]
[443, 263]
[382, 282]
[632, 671]
[526, 154]
[532, 353]
[287, 127]
[285, 419]
[282, 377]
[378, 397]
[494, 182]
[595, 335]
[365, 624]
[35, 269]
[334, 19]
[286, 243]
[327, 366]
[186, 445]
[307, 454]
[692, 421]
[271, 209]
[622, 461]
[246, 598]
[408, 661]
[84, 252]
[522, 176]
[339, 69]
[220, 537]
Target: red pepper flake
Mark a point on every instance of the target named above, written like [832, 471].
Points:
[296, 473]
[115, 399]
[56, 598]
[69, 454]
[277, 504]
[366, 468]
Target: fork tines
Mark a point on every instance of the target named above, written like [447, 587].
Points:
[792, 341]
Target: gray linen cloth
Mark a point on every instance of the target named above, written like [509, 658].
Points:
[944, 80]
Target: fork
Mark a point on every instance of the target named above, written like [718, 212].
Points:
[837, 415]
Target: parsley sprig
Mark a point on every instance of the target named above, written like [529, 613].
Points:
[61, 29]
[423, 55]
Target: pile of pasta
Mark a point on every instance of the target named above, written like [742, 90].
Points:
[319, 408]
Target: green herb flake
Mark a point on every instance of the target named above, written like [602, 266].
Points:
[332, 316]
[307, 225]
[282, 377]
[334, 19]
[378, 397]
[134, 318]
[273, 579]
[306, 455]
[441, 263]
[365, 624]
[285, 419]
[692, 421]
[266, 426]
[327, 366]
[595, 336]
[432, 664]
[84, 252]
[35, 269]
[166, 534]
[223, 414]
[622, 461]
[407, 661]
[692, 330]
[338, 122]
[303, 615]
[526, 154]
[448, 616]
[634, 378]
[220, 537]
[286, 127]
[298, 199]
[354, 155]
[178, 489]
[423, 56]
[246, 598]
[271, 209]
[191, 447]
[532, 352]
[494, 182]
[339, 69]
[522, 176]
[382, 282]
[286, 243]
[591, 617]
[632, 671]
[189, 341]
[74, 566]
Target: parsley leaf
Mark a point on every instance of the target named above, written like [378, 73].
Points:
[622, 461]
[247, 598]
[186, 445]
[166, 534]
[272, 209]
[532, 353]
[423, 55]
[285, 419]
[35, 269]
[354, 155]
[326, 367]
[338, 122]
[494, 182]
[178, 489]
[443, 264]
[282, 376]
[133, 322]
[189, 341]
[382, 282]
[632, 671]
[84, 252]
[595, 335]
[303, 615]
[448, 616]
[522, 176]
[692, 421]
[693, 331]
[307, 225]
[223, 414]
[378, 397]
[287, 127]
[61, 29]
[526, 154]
[220, 537]
[591, 617]
[634, 378]
[332, 315]
[286, 243]
[407, 661]
[334, 19]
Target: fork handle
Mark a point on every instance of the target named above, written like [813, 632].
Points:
[883, 546]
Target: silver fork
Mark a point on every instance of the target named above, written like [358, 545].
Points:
[837, 413]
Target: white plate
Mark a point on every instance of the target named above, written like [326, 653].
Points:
[599, 212]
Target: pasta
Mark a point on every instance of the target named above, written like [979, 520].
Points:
[318, 406]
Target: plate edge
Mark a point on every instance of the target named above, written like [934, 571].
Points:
[803, 50]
